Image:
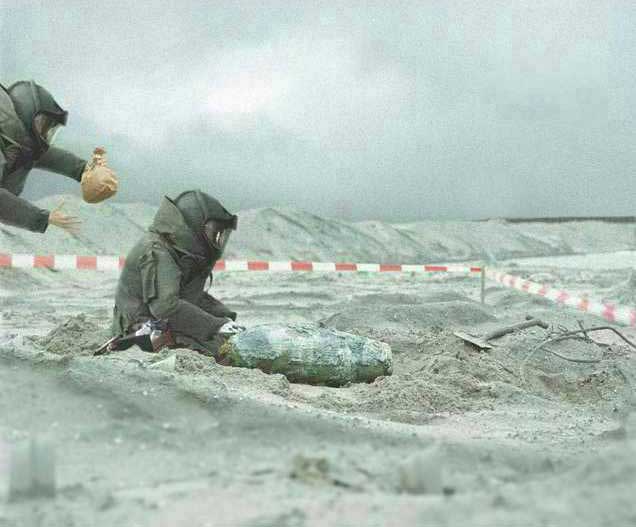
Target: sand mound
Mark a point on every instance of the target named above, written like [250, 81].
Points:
[407, 299]
[284, 233]
[191, 363]
[442, 375]
[75, 336]
[506, 298]
[625, 293]
[198, 373]
[371, 319]
[434, 371]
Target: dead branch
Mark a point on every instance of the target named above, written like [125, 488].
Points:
[569, 335]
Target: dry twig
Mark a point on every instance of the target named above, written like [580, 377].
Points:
[569, 335]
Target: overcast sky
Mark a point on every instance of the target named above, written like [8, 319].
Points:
[362, 110]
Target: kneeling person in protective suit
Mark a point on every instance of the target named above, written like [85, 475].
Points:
[160, 297]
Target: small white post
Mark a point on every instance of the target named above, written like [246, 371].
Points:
[32, 470]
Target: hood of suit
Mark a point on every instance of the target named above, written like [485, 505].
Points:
[38, 111]
[181, 222]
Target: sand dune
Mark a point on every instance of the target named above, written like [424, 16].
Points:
[283, 233]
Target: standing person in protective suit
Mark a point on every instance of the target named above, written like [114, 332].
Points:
[162, 285]
[29, 120]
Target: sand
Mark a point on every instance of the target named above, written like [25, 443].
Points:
[455, 436]
[286, 233]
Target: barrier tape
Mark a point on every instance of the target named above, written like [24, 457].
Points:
[611, 312]
[116, 263]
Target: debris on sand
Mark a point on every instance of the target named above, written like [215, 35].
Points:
[322, 469]
[312, 470]
[168, 364]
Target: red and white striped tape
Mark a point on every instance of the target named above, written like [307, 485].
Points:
[115, 263]
[611, 312]
[62, 262]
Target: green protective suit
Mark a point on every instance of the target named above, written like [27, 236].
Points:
[19, 153]
[165, 273]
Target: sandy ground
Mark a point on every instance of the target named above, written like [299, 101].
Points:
[455, 437]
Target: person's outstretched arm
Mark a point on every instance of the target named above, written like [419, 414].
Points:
[18, 212]
[62, 162]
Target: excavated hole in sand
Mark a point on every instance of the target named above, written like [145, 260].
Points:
[434, 372]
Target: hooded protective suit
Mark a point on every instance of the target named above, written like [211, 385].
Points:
[165, 273]
[22, 148]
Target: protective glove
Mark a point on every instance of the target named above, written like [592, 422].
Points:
[230, 328]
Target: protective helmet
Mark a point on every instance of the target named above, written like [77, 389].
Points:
[38, 111]
[207, 218]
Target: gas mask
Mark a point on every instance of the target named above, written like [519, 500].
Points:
[208, 220]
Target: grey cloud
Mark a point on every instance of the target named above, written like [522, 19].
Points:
[396, 111]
